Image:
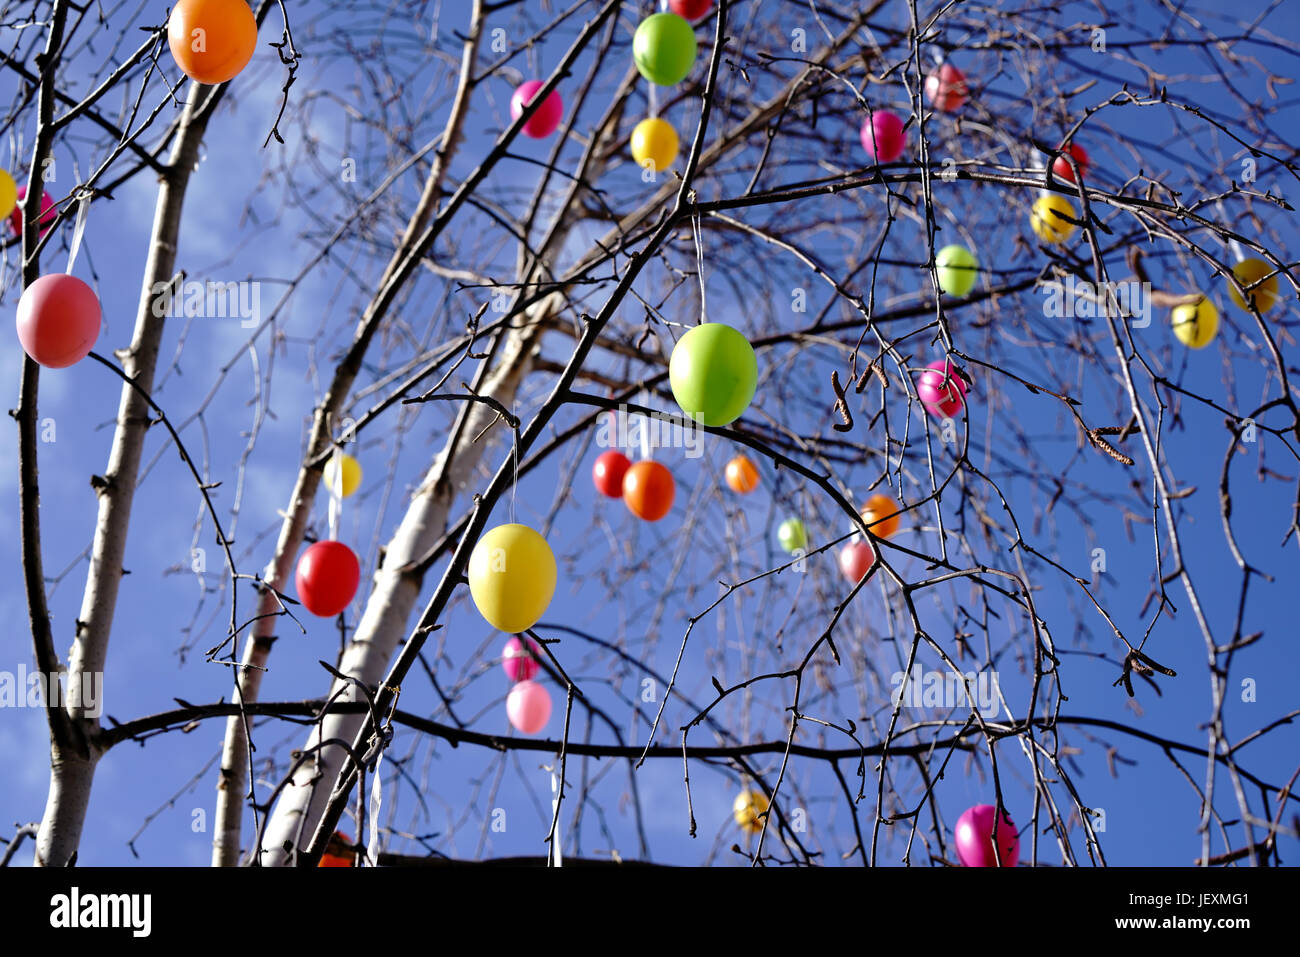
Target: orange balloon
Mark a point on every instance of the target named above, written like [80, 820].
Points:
[742, 477]
[212, 40]
[648, 490]
[878, 513]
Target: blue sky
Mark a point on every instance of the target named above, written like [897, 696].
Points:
[636, 581]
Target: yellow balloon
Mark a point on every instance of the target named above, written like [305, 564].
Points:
[1195, 323]
[1047, 222]
[351, 476]
[512, 577]
[749, 805]
[654, 142]
[1249, 272]
[8, 194]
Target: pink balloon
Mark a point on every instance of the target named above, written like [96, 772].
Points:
[548, 115]
[47, 213]
[58, 320]
[515, 660]
[883, 137]
[945, 89]
[975, 838]
[941, 390]
[856, 560]
[528, 707]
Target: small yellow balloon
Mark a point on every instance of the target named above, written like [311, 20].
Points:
[749, 805]
[351, 475]
[1047, 221]
[1249, 272]
[654, 143]
[1195, 323]
[8, 194]
[512, 577]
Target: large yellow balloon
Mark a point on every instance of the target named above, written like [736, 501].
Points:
[351, 470]
[749, 805]
[8, 194]
[1249, 272]
[654, 142]
[512, 577]
[1047, 222]
[1195, 323]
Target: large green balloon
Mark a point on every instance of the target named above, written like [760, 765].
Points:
[664, 48]
[713, 373]
[957, 269]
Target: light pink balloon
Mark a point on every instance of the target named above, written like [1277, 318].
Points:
[515, 660]
[856, 560]
[528, 707]
[974, 835]
[546, 119]
[883, 137]
[941, 390]
[58, 320]
[945, 88]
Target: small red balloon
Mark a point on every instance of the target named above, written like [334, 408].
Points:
[690, 9]
[856, 560]
[528, 707]
[58, 320]
[608, 472]
[883, 136]
[47, 214]
[519, 665]
[542, 123]
[941, 390]
[974, 838]
[327, 578]
[1061, 165]
[945, 88]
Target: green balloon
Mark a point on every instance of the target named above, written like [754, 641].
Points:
[958, 270]
[792, 535]
[713, 373]
[664, 48]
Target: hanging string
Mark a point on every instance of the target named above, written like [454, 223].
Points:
[647, 450]
[335, 474]
[699, 261]
[514, 471]
[77, 230]
[555, 805]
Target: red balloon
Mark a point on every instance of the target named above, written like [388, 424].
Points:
[946, 88]
[58, 320]
[327, 578]
[690, 9]
[856, 560]
[974, 834]
[883, 136]
[542, 123]
[608, 473]
[46, 217]
[519, 665]
[941, 390]
[1061, 165]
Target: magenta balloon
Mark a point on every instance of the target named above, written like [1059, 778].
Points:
[883, 137]
[548, 115]
[46, 215]
[941, 390]
[528, 707]
[856, 560]
[515, 660]
[974, 835]
[58, 320]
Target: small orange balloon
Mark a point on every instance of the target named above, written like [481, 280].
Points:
[212, 40]
[878, 513]
[742, 477]
[338, 852]
[648, 490]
